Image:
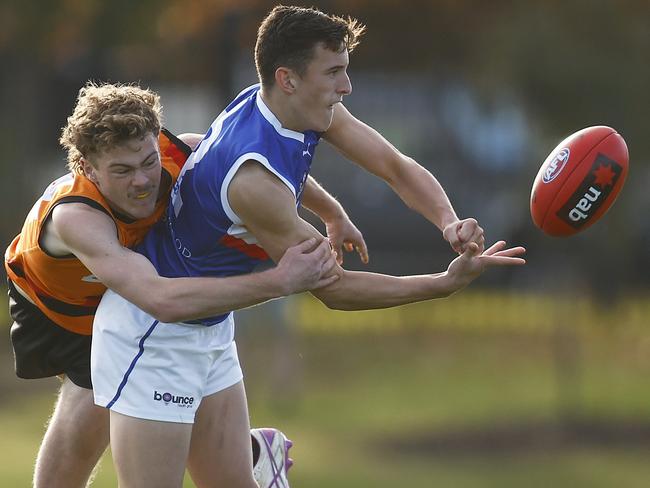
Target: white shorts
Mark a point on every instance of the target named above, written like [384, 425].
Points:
[152, 370]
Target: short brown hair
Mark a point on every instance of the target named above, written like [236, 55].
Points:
[109, 114]
[288, 35]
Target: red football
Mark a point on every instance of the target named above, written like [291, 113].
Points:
[579, 181]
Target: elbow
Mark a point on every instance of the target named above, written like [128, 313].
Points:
[339, 297]
[168, 317]
[171, 315]
[334, 302]
[334, 305]
[164, 311]
[343, 307]
[397, 171]
[391, 177]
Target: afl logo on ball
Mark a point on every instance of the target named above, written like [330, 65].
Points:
[556, 165]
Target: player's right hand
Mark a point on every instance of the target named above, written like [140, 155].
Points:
[307, 266]
[461, 233]
[472, 263]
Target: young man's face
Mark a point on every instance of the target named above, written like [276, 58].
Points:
[128, 176]
[324, 84]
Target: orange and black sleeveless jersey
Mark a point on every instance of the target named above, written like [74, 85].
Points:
[62, 287]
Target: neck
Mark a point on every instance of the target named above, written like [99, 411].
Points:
[277, 102]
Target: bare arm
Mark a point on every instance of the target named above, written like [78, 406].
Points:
[268, 210]
[341, 231]
[91, 236]
[415, 185]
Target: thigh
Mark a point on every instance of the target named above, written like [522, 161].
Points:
[220, 450]
[76, 408]
[42, 348]
[144, 368]
[149, 453]
[76, 437]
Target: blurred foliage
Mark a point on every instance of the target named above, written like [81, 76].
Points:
[481, 310]
[559, 65]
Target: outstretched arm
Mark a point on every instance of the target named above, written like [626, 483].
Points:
[268, 210]
[91, 236]
[415, 185]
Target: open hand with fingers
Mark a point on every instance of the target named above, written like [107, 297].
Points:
[307, 266]
[344, 235]
[472, 262]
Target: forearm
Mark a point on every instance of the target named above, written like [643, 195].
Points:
[321, 203]
[368, 148]
[182, 299]
[90, 235]
[422, 192]
[358, 290]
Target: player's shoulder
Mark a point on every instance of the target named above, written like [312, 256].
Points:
[248, 129]
[246, 95]
[249, 90]
[77, 213]
[247, 126]
[71, 223]
[259, 189]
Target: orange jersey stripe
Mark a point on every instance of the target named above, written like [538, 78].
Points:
[251, 250]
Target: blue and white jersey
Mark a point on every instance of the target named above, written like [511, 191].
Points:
[201, 234]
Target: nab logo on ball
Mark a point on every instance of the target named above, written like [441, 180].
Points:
[556, 165]
[593, 191]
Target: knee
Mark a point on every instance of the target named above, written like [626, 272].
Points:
[77, 433]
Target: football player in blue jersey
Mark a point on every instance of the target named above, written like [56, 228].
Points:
[175, 389]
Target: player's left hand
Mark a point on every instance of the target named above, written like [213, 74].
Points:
[461, 233]
[471, 263]
[343, 234]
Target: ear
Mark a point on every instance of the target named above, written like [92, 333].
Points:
[286, 80]
[89, 170]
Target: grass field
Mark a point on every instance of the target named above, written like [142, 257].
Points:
[436, 408]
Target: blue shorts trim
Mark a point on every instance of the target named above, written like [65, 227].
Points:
[132, 365]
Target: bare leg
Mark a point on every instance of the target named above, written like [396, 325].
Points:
[76, 437]
[149, 453]
[220, 451]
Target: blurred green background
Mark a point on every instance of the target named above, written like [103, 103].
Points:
[532, 377]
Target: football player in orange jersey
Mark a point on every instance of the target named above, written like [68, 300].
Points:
[122, 168]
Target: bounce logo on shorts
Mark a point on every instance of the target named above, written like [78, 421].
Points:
[179, 400]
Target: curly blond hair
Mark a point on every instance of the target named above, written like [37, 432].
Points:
[109, 114]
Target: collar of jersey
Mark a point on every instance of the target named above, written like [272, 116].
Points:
[273, 120]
